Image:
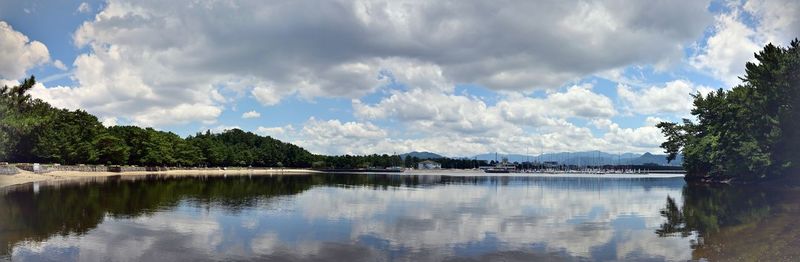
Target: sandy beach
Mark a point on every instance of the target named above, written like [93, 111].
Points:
[25, 177]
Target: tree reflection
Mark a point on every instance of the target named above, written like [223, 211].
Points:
[76, 209]
[676, 224]
[26, 215]
[735, 222]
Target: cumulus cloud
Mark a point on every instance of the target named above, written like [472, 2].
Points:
[336, 137]
[646, 138]
[180, 114]
[18, 53]
[578, 101]
[674, 97]
[109, 121]
[223, 128]
[251, 114]
[728, 49]
[778, 22]
[146, 55]
[280, 132]
[84, 7]
[734, 40]
[9, 83]
[60, 65]
[436, 112]
[460, 125]
[266, 96]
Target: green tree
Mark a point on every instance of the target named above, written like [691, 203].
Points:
[749, 132]
[111, 150]
[67, 137]
[20, 115]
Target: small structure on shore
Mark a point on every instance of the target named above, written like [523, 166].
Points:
[6, 169]
[428, 164]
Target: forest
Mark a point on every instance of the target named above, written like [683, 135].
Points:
[33, 131]
[747, 133]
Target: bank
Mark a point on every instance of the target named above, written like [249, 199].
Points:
[22, 174]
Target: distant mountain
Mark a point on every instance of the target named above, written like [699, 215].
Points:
[421, 155]
[648, 158]
[587, 158]
[510, 157]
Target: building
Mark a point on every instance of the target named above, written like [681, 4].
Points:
[550, 164]
[427, 164]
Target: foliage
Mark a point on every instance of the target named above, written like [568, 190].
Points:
[239, 148]
[33, 131]
[19, 116]
[749, 132]
[66, 137]
[735, 222]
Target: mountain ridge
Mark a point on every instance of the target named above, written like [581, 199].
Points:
[594, 157]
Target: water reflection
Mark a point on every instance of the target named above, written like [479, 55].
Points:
[737, 222]
[346, 217]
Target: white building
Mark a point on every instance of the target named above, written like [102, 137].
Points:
[427, 164]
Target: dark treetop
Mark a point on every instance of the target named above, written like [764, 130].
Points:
[747, 133]
[32, 131]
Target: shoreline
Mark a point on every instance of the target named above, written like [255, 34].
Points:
[26, 177]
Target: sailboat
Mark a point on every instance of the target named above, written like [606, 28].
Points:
[501, 167]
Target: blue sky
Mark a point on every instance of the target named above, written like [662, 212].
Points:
[457, 78]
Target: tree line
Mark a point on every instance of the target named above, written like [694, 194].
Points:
[749, 132]
[33, 131]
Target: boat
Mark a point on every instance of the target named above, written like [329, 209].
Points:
[496, 170]
[501, 167]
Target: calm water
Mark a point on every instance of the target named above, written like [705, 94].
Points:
[396, 217]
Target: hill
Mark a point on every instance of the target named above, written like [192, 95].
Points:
[587, 158]
[421, 155]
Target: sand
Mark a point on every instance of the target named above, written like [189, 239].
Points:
[25, 177]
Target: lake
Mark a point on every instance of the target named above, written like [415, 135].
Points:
[364, 217]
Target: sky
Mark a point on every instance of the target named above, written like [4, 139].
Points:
[457, 78]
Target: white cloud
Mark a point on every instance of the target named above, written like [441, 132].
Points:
[601, 123]
[266, 96]
[335, 137]
[109, 85]
[251, 114]
[84, 7]
[157, 63]
[18, 54]
[727, 51]
[223, 128]
[437, 113]
[181, 114]
[9, 83]
[109, 121]
[646, 138]
[579, 101]
[458, 125]
[281, 132]
[778, 21]
[734, 41]
[675, 97]
[60, 65]
[146, 55]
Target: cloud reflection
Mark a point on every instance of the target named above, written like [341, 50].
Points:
[481, 219]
